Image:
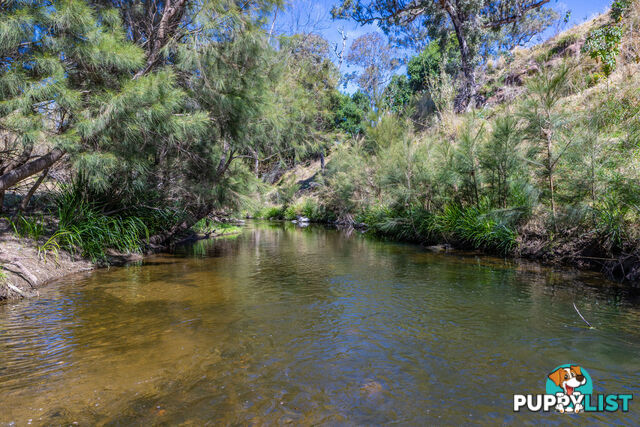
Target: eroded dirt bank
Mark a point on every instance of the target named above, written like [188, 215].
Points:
[25, 269]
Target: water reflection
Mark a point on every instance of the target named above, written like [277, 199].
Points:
[282, 324]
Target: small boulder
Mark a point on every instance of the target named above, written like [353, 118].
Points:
[371, 388]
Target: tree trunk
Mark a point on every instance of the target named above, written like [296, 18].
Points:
[25, 201]
[20, 160]
[10, 179]
[475, 187]
[553, 202]
[550, 167]
[468, 89]
[256, 163]
[172, 14]
[225, 159]
[162, 238]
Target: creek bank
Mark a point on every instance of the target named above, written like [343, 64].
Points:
[583, 252]
[576, 251]
[24, 268]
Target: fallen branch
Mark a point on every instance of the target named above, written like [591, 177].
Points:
[23, 272]
[592, 257]
[33, 280]
[581, 316]
[16, 290]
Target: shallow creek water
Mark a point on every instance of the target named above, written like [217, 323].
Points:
[311, 326]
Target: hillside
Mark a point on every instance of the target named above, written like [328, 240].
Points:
[546, 167]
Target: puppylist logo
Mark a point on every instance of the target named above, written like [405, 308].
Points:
[569, 389]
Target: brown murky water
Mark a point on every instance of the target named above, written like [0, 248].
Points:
[310, 326]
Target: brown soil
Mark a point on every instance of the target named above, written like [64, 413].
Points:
[25, 270]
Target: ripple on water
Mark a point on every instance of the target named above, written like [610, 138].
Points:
[308, 327]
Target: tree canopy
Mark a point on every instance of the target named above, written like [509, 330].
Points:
[472, 21]
[159, 103]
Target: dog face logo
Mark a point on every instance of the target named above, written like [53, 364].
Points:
[569, 379]
[569, 389]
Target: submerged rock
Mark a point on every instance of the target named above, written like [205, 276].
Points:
[440, 248]
[371, 388]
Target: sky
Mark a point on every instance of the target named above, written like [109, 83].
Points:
[315, 17]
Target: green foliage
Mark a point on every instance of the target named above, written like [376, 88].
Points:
[153, 142]
[350, 113]
[478, 227]
[35, 228]
[500, 158]
[52, 245]
[191, 131]
[442, 91]
[62, 67]
[384, 131]
[29, 227]
[611, 223]
[290, 213]
[547, 127]
[269, 212]
[404, 171]
[344, 190]
[603, 44]
[423, 66]
[562, 44]
[209, 226]
[377, 60]
[84, 229]
[397, 95]
[466, 160]
[315, 211]
[300, 108]
[479, 26]
[414, 224]
[306, 207]
[619, 8]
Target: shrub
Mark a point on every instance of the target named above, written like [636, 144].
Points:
[290, 213]
[85, 229]
[611, 224]
[269, 212]
[207, 225]
[387, 129]
[315, 211]
[414, 224]
[477, 227]
[603, 44]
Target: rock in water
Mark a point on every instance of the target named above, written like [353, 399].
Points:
[371, 388]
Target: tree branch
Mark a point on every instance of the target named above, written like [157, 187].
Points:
[8, 180]
[515, 15]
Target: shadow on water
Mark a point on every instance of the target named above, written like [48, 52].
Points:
[281, 324]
